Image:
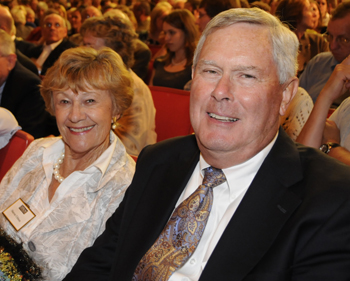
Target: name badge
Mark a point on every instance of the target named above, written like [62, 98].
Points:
[18, 214]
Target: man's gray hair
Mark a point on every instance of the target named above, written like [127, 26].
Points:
[7, 46]
[285, 44]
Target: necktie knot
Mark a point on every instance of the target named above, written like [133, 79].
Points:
[213, 177]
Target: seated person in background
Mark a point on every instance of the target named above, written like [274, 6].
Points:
[299, 16]
[142, 12]
[181, 36]
[142, 54]
[20, 92]
[158, 13]
[245, 202]
[210, 8]
[54, 33]
[73, 183]
[8, 126]
[320, 68]
[331, 136]
[19, 16]
[90, 12]
[136, 127]
[297, 113]
[7, 24]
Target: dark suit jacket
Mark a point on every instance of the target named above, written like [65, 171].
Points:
[292, 224]
[34, 51]
[21, 95]
[142, 57]
[26, 62]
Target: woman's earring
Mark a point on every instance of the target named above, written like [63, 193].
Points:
[114, 123]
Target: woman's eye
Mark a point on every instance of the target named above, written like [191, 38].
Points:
[90, 100]
[64, 101]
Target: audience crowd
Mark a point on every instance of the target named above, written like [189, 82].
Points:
[49, 89]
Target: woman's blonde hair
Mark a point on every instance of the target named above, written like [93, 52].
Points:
[86, 69]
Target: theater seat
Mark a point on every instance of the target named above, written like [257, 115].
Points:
[13, 150]
[172, 112]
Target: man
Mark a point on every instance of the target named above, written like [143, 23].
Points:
[7, 24]
[320, 68]
[278, 216]
[54, 32]
[210, 8]
[331, 136]
[136, 128]
[20, 94]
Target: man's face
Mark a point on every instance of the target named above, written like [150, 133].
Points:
[236, 97]
[4, 15]
[54, 29]
[202, 19]
[339, 37]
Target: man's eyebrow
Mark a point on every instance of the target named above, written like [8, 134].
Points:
[234, 68]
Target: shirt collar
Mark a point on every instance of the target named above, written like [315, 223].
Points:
[53, 45]
[244, 172]
[52, 150]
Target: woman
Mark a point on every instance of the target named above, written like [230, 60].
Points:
[73, 183]
[324, 12]
[136, 128]
[158, 14]
[181, 35]
[299, 15]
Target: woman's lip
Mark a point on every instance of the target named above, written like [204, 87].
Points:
[81, 129]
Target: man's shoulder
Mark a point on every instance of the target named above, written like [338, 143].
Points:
[324, 58]
[171, 149]
[26, 75]
[321, 168]
[66, 44]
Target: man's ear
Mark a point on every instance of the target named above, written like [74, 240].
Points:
[11, 60]
[290, 90]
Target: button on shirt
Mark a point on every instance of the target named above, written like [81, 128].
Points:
[227, 198]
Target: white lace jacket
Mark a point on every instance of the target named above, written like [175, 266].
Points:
[74, 220]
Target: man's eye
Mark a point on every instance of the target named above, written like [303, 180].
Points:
[248, 76]
[90, 101]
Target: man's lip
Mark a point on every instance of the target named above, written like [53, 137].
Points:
[222, 118]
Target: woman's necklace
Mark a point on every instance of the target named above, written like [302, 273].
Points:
[178, 63]
[56, 169]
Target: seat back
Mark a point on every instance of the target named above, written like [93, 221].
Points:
[13, 150]
[172, 112]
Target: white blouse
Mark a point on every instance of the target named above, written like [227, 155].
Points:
[77, 213]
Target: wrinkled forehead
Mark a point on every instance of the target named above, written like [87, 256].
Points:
[54, 19]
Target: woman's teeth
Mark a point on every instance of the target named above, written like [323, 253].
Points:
[81, 129]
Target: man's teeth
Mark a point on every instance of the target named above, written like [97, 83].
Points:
[81, 129]
[222, 118]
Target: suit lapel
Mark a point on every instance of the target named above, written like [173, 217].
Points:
[165, 183]
[265, 208]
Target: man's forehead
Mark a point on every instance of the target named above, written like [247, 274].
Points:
[339, 26]
[53, 18]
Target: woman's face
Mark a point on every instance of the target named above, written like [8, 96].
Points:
[317, 13]
[323, 7]
[84, 120]
[76, 20]
[309, 16]
[174, 37]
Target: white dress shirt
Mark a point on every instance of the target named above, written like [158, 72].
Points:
[45, 53]
[227, 198]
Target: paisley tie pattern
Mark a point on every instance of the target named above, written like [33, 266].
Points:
[181, 235]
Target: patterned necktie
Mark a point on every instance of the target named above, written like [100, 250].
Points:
[181, 235]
